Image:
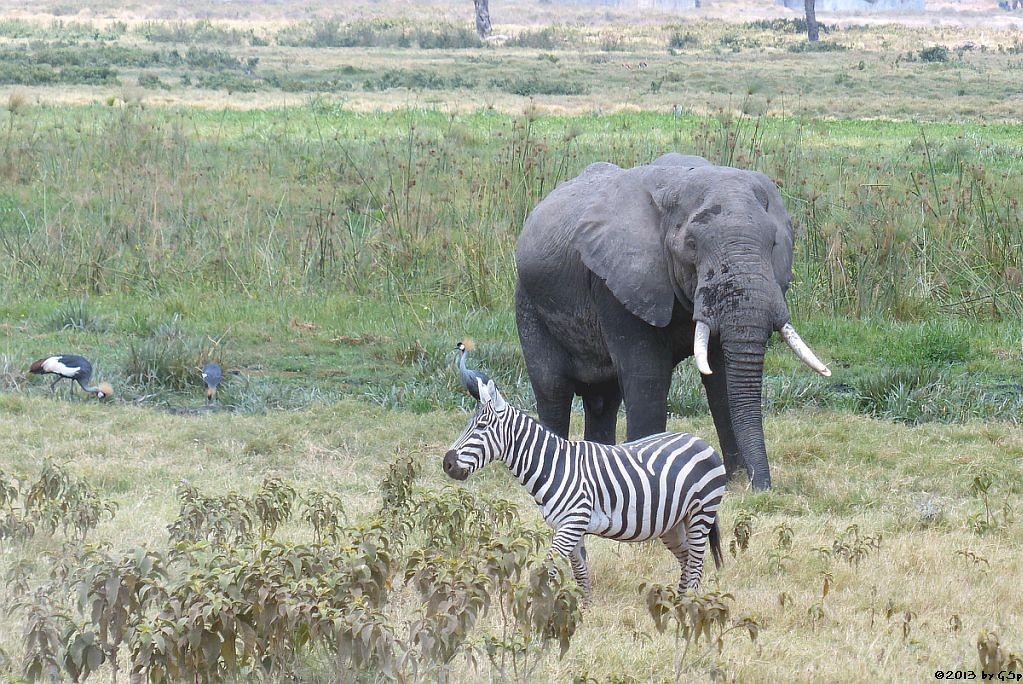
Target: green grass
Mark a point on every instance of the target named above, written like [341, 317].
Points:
[900, 220]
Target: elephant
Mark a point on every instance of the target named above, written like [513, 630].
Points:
[622, 273]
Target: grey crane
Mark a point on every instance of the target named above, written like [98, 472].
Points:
[469, 377]
[74, 368]
[211, 375]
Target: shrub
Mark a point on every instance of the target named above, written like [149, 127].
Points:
[331, 33]
[537, 85]
[77, 315]
[229, 82]
[205, 58]
[548, 38]
[935, 53]
[795, 25]
[152, 82]
[447, 37]
[933, 343]
[680, 40]
[817, 46]
[169, 358]
[202, 31]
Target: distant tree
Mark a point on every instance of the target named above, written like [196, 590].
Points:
[483, 27]
[812, 29]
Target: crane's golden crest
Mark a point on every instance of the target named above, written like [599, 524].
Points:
[469, 344]
[106, 388]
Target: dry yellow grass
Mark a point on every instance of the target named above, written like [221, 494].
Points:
[886, 618]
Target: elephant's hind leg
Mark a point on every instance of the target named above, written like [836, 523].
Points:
[546, 363]
[601, 404]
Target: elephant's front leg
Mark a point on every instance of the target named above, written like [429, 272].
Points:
[646, 404]
[716, 385]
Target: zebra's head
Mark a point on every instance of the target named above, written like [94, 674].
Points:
[482, 440]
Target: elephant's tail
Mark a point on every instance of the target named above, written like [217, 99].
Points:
[715, 545]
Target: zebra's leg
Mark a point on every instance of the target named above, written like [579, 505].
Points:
[568, 541]
[678, 543]
[697, 534]
[581, 571]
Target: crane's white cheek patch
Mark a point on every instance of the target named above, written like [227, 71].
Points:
[53, 365]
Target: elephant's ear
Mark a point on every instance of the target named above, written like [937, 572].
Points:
[767, 193]
[620, 239]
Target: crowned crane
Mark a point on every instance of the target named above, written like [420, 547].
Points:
[469, 377]
[211, 375]
[74, 368]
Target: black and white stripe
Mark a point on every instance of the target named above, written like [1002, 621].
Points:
[667, 486]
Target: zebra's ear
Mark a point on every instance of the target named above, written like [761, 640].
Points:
[484, 390]
[499, 403]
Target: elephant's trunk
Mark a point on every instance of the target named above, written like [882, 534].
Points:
[744, 367]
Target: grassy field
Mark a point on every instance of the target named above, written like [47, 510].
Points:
[326, 204]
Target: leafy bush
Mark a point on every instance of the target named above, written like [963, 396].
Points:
[936, 342]
[935, 53]
[169, 358]
[547, 38]
[447, 37]
[680, 40]
[794, 25]
[816, 46]
[221, 604]
[213, 59]
[235, 83]
[332, 33]
[56, 499]
[539, 85]
[416, 79]
[77, 315]
[152, 82]
[22, 72]
[202, 31]
[298, 84]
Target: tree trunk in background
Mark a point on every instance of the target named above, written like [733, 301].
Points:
[812, 30]
[482, 18]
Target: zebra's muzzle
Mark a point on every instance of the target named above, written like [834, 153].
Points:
[451, 467]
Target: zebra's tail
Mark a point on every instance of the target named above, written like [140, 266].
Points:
[715, 545]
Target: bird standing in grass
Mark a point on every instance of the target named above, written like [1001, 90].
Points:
[211, 375]
[469, 377]
[74, 368]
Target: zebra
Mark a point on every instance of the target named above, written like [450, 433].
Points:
[667, 485]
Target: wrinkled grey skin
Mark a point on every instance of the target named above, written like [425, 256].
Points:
[614, 269]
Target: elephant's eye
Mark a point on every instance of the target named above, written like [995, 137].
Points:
[690, 243]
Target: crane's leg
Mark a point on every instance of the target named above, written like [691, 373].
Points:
[53, 385]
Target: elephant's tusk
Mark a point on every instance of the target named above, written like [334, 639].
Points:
[700, 340]
[804, 352]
